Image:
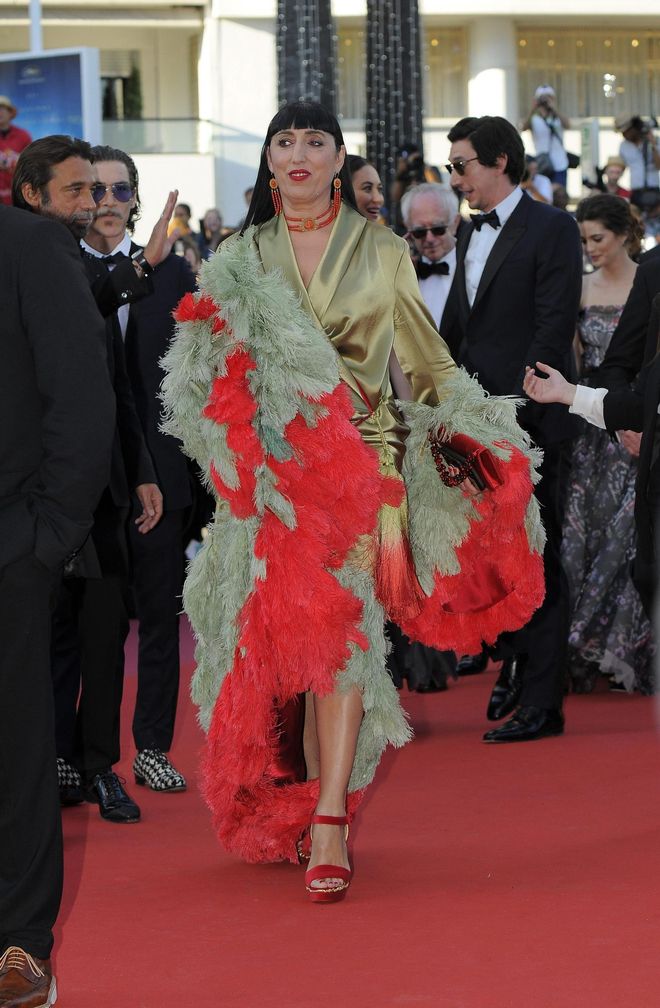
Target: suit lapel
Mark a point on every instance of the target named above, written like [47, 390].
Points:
[512, 232]
[276, 252]
[461, 249]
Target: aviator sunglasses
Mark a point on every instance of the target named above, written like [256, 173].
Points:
[459, 165]
[421, 232]
[121, 191]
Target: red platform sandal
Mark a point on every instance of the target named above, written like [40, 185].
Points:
[336, 892]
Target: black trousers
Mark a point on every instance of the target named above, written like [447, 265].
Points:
[157, 579]
[30, 822]
[545, 638]
[87, 662]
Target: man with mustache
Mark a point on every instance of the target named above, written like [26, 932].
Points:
[54, 178]
[157, 559]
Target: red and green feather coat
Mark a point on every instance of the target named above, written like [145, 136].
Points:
[287, 594]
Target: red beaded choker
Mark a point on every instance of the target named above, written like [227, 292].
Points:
[312, 223]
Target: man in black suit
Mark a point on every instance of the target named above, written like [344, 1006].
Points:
[54, 178]
[514, 301]
[156, 559]
[633, 344]
[56, 424]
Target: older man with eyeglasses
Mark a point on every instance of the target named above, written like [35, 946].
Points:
[430, 213]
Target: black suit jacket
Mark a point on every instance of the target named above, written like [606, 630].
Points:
[130, 463]
[633, 342]
[525, 310]
[57, 409]
[637, 409]
[148, 335]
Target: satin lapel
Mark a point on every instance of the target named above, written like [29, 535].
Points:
[461, 249]
[276, 252]
[345, 236]
[512, 232]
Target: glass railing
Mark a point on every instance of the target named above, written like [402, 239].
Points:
[160, 136]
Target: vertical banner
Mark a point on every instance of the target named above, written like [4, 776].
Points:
[306, 44]
[394, 86]
[55, 91]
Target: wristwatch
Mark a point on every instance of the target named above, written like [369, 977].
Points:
[138, 258]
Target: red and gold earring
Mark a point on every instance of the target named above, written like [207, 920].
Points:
[275, 196]
[336, 196]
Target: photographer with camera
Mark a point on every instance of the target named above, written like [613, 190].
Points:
[547, 125]
[411, 170]
[640, 150]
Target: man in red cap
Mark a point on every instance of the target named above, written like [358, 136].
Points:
[13, 140]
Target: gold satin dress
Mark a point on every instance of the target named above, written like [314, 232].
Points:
[364, 314]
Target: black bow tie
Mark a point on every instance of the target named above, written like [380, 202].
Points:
[115, 258]
[426, 269]
[486, 218]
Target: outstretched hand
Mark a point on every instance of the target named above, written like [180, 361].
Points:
[553, 389]
[160, 245]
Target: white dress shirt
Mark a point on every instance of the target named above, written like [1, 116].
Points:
[481, 243]
[435, 288]
[588, 403]
[124, 247]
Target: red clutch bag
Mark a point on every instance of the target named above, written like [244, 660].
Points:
[468, 458]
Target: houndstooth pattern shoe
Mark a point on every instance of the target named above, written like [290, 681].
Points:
[70, 784]
[153, 769]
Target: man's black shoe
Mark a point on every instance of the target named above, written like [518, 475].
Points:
[114, 804]
[507, 689]
[527, 724]
[472, 664]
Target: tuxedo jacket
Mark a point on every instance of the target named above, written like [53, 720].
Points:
[633, 342]
[637, 409]
[525, 310]
[130, 462]
[148, 335]
[57, 408]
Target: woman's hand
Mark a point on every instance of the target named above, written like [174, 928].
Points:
[553, 389]
[631, 441]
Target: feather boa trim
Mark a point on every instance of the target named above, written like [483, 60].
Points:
[282, 597]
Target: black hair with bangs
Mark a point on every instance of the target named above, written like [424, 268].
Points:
[295, 115]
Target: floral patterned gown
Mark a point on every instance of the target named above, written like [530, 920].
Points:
[609, 633]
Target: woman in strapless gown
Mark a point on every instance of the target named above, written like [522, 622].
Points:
[609, 633]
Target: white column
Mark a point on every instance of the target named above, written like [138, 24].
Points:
[238, 93]
[493, 70]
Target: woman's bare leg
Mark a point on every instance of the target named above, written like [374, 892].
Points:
[338, 719]
[310, 740]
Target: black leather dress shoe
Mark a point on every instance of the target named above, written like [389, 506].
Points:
[527, 724]
[507, 689]
[472, 664]
[114, 803]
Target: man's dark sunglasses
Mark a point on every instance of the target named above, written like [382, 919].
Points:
[436, 231]
[121, 191]
[459, 165]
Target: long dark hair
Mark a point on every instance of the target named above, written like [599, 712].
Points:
[615, 214]
[295, 115]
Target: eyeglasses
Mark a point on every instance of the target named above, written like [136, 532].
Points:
[121, 191]
[421, 232]
[459, 165]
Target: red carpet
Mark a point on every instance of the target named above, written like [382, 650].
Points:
[486, 877]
